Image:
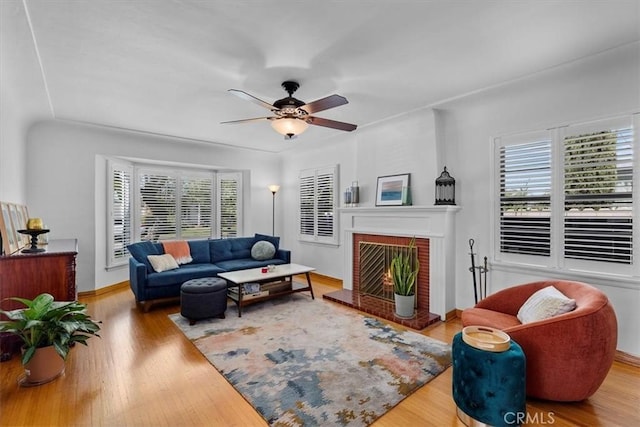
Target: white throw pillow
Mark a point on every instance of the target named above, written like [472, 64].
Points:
[545, 303]
[162, 263]
[263, 250]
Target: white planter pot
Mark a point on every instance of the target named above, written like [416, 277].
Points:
[404, 306]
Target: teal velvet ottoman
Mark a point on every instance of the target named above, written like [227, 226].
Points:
[489, 387]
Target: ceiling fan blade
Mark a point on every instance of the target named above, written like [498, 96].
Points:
[318, 121]
[257, 119]
[244, 95]
[330, 101]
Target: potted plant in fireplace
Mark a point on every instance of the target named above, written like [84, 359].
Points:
[48, 329]
[404, 273]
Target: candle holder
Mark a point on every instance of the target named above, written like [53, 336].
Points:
[34, 240]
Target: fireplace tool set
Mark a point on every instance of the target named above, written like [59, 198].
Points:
[479, 285]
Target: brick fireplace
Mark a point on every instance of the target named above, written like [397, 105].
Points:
[433, 228]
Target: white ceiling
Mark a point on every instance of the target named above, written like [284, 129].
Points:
[164, 67]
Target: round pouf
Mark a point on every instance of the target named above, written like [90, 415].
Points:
[203, 298]
[489, 387]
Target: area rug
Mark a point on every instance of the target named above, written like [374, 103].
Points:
[300, 361]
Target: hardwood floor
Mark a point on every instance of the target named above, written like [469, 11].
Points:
[144, 372]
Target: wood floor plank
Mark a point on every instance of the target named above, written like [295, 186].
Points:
[144, 372]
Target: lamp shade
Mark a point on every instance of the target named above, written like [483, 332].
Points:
[274, 188]
[289, 126]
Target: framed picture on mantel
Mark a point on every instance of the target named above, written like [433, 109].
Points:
[392, 190]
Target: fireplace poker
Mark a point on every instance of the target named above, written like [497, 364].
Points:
[484, 271]
[473, 270]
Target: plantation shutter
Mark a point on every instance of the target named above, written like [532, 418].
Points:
[325, 207]
[598, 194]
[525, 198]
[120, 230]
[229, 185]
[307, 209]
[318, 195]
[157, 192]
[196, 207]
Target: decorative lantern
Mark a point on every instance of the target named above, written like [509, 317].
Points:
[445, 189]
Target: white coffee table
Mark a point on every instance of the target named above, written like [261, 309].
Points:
[281, 273]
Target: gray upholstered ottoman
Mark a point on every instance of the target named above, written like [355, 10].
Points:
[203, 298]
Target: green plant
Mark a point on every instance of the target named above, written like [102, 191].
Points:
[404, 270]
[45, 322]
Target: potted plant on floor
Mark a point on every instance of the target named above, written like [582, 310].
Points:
[404, 273]
[47, 329]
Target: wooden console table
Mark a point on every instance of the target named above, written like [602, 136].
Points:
[27, 275]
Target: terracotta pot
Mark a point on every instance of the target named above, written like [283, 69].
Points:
[45, 366]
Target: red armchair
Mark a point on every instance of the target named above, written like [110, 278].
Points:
[569, 355]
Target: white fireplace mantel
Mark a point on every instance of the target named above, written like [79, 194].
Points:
[437, 223]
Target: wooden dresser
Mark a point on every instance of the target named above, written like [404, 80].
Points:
[27, 275]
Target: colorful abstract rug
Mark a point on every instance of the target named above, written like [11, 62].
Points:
[315, 363]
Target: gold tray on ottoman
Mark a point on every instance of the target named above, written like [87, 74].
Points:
[486, 338]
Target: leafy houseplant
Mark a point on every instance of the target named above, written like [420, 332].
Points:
[404, 273]
[48, 323]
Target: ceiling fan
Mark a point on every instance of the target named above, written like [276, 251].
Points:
[292, 116]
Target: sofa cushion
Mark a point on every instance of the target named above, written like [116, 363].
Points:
[163, 262]
[200, 251]
[141, 250]
[274, 240]
[182, 274]
[262, 250]
[544, 303]
[244, 263]
[227, 249]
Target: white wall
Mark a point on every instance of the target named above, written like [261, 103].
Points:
[22, 99]
[404, 144]
[596, 87]
[66, 185]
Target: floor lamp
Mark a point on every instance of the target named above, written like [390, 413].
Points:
[274, 189]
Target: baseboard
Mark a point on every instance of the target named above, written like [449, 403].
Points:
[627, 358]
[105, 290]
[453, 314]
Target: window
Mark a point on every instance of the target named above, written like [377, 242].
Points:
[598, 197]
[318, 196]
[229, 186]
[119, 233]
[566, 195]
[525, 198]
[169, 204]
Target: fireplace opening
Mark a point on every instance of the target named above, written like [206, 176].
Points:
[375, 268]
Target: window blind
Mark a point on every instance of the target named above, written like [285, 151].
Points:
[598, 196]
[317, 205]
[157, 205]
[307, 206]
[525, 198]
[229, 205]
[196, 207]
[325, 207]
[120, 231]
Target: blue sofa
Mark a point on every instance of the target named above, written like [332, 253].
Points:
[210, 257]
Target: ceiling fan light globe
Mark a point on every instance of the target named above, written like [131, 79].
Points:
[289, 126]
